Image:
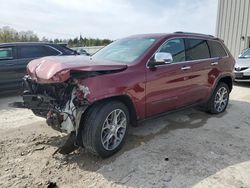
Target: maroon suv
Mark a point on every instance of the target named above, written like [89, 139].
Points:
[96, 98]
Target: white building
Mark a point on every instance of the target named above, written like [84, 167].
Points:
[233, 24]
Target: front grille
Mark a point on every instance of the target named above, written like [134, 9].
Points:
[240, 68]
[243, 78]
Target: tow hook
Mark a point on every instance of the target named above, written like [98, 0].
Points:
[69, 146]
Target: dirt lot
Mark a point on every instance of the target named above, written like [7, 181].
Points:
[184, 149]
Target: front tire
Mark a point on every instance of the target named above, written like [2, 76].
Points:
[105, 128]
[219, 100]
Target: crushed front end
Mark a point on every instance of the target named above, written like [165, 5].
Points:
[56, 88]
[61, 104]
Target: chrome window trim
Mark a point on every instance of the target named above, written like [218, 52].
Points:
[181, 62]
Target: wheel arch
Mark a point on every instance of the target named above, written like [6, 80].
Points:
[227, 80]
[125, 99]
[129, 103]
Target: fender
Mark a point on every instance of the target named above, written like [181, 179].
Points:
[105, 86]
[220, 77]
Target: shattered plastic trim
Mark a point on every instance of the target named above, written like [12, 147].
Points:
[85, 90]
[70, 120]
[69, 114]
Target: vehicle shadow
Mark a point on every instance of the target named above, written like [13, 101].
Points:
[242, 84]
[175, 150]
[11, 93]
[137, 136]
[9, 96]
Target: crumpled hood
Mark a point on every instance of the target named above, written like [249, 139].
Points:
[56, 69]
[242, 62]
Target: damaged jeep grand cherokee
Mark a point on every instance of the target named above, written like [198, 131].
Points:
[94, 99]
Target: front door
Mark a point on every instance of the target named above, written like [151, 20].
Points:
[7, 67]
[168, 86]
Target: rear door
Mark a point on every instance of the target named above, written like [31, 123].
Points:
[8, 59]
[219, 60]
[168, 86]
[205, 60]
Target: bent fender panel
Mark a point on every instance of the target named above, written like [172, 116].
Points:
[111, 85]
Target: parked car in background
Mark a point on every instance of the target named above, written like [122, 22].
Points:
[94, 99]
[14, 58]
[242, 67]
[80, 51]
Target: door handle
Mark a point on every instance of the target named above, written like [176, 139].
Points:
[185, 68]
[214, 63]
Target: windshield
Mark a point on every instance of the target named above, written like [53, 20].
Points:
[245, 54]
[125, 50]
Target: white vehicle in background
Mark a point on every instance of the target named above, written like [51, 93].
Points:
[81, 51]
[242, 67]
[87, 50]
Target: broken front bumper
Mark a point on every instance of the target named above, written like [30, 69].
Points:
[31, 100]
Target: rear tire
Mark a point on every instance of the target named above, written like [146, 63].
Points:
[105, 128]
[219, 99]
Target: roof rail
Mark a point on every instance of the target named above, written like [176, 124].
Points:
[193, 33]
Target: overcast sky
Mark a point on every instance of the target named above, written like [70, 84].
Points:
[108, 18]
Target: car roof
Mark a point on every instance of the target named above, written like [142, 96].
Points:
[149, 35]
[26, 43]
[175, 34]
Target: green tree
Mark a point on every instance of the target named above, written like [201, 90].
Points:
[8, 34]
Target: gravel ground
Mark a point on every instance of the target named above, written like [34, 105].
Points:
[185, 149]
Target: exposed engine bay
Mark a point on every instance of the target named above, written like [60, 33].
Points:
[55, 89]
[61, 104]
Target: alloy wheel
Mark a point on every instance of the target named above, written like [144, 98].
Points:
[113, 129]
[221, 99]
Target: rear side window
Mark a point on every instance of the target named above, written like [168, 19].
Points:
[196, 49]
[216, 49]
[176, 48]
[6, 53]
[36, 51]
[32, 51]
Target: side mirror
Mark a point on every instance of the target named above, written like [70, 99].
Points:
[163, 58]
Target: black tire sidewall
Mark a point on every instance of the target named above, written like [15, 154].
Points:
[101, 116]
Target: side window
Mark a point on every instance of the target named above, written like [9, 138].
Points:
[6, 53]
[196, 49]
[51, 51]
[175, 47]
[32, 51]
[68, 50]
[216, 49]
